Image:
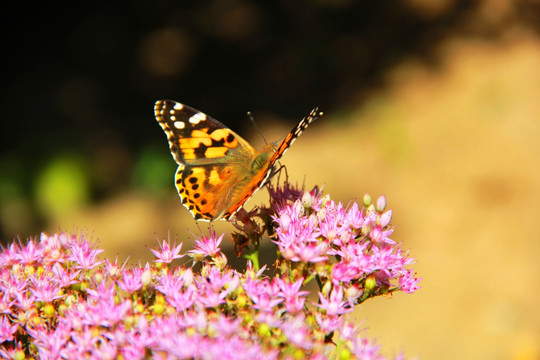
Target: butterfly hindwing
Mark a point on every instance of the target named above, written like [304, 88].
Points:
[205, 190]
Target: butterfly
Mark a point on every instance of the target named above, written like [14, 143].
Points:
[218, 171]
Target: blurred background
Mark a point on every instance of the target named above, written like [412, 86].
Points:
[434, 103]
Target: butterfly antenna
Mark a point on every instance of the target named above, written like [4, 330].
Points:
[256, 127]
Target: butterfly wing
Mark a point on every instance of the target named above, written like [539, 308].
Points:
[212, 158]
[266, 168]
[295, 132]
[196, 138]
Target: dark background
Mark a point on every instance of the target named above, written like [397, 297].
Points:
[83, 80]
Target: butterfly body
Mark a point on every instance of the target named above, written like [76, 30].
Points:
[218, 170]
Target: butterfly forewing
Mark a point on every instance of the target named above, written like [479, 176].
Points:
[295, 132]
[194, 137]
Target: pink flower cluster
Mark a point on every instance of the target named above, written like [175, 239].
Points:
[59, 300]
[347, 249]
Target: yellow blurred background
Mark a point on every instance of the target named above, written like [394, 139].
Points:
[454, 144]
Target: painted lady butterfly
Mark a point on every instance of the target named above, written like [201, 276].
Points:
[218, 170]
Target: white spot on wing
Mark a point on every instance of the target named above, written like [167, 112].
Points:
[179, 124]
[178, 106]
[197, 118]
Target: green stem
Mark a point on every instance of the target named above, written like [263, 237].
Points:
[254, 257]
[311, 277]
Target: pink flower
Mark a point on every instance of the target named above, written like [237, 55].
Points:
[104, 312]
[281, 196]
[105, 290]
[262, 293]
[112, 268]
[9, 255]
[131, 280]
[51, 343]
[380, 236]
[13, 284]
[297, 332]
[84, 254]
[25, 300]
[228, 326]
[334, 304]
[365, 349]
[167, 254]
[7, 329]
[104, 349]
[178, 293]
[45, 289]
[208, 310]
[355, 217]
[212, 299]
[64, 277]
[298, 236]
[328, 323]
[11, 352]
[29, 254]
[294, 299]
[53, 248]
[207, 245]
[408, 282]
[6, 303]
[344, 272]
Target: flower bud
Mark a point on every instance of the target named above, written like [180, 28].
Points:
[385, 219]
[242, 301]
[321, 214]
[48, 310]
[325, 199]
[326, 288]
[146, 276]
[366, 230]
[138, 308]
[19, 355]
[299, 354]
[98, 277]
[220, 261]
[264, 330]
[371, 283]
[352, 293]
[344, 354]
[70, 300]
[188, 276]
[307, 199]
[29, 270]
[299, 208]
[381, 203]
[367, 200]
[158, 309]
